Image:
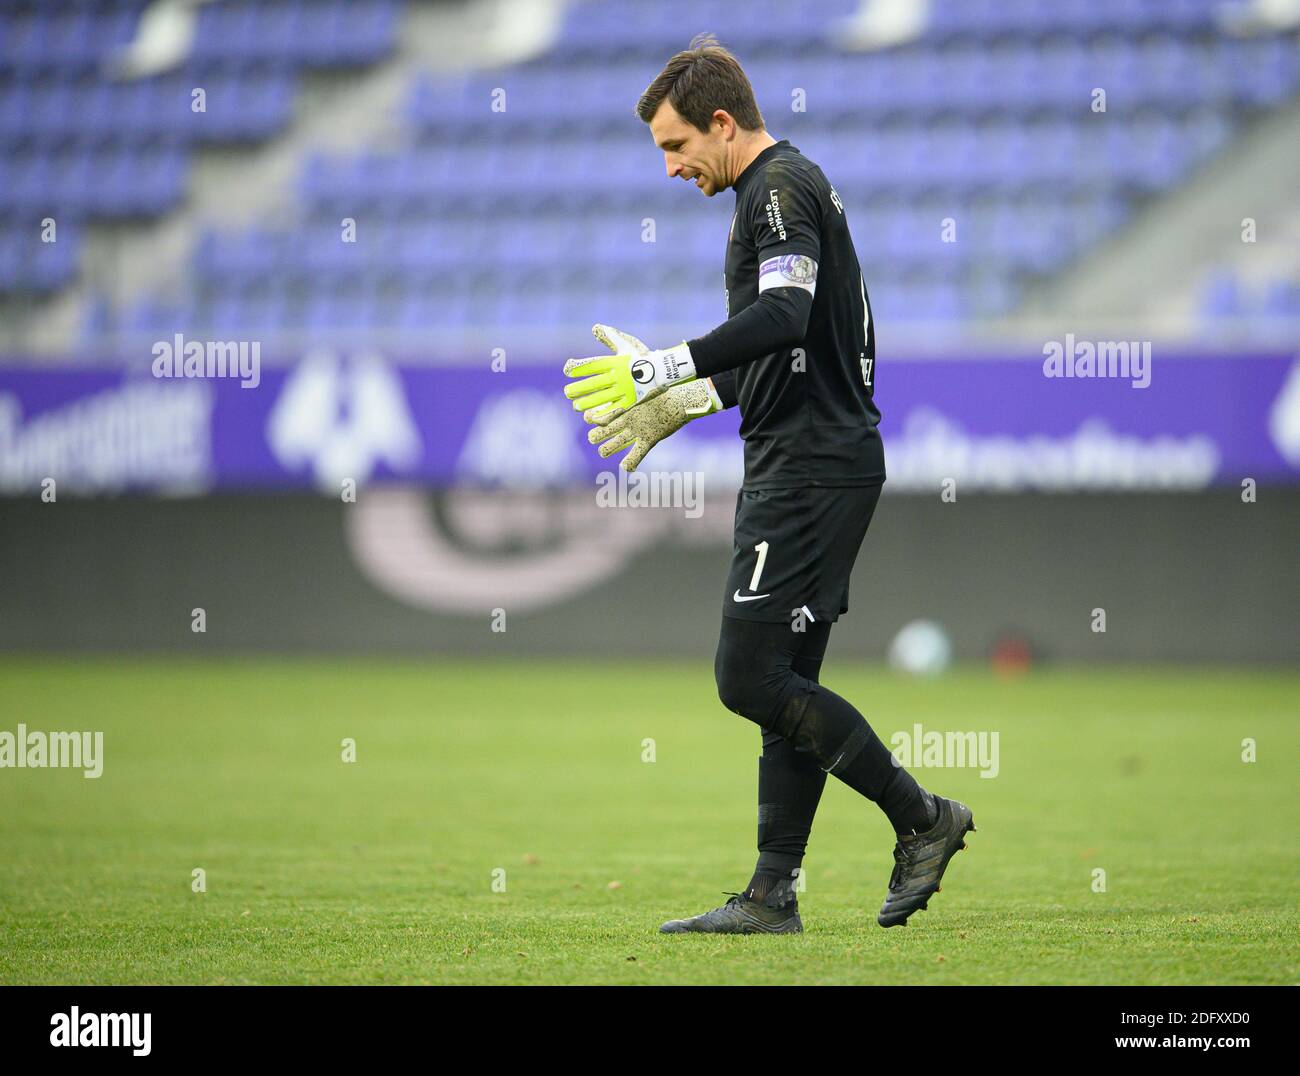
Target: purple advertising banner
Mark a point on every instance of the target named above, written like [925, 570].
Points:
[1077, 420]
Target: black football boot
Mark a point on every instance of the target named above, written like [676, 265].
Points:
[920, 860]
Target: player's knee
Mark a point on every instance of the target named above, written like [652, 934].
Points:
[735, 686]
[749, 687]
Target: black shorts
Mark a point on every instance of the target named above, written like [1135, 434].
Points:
[794, 550]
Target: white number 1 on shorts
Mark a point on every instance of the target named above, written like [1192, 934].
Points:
[761, 550]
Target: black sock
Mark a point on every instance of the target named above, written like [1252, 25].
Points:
[911, 809]
[861, 760]
[777, 885]
[790, 785]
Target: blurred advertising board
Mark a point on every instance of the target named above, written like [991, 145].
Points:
[1181, 422]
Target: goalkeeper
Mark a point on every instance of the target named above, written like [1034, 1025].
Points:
[797, 355]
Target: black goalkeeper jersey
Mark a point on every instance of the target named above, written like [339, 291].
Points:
[792, 276]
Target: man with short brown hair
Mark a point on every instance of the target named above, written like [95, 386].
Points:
[797, 354]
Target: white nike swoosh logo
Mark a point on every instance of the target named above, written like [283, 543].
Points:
[752, 598]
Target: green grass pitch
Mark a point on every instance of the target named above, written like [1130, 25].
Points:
[381, 870]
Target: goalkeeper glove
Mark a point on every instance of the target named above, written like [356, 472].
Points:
[632, 374]
[650, 421]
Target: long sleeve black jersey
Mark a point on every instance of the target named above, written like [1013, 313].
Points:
[799, 334]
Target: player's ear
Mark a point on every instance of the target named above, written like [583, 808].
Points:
[725, 125]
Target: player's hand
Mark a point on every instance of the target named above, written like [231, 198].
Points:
[632, 374]
[649, 422]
